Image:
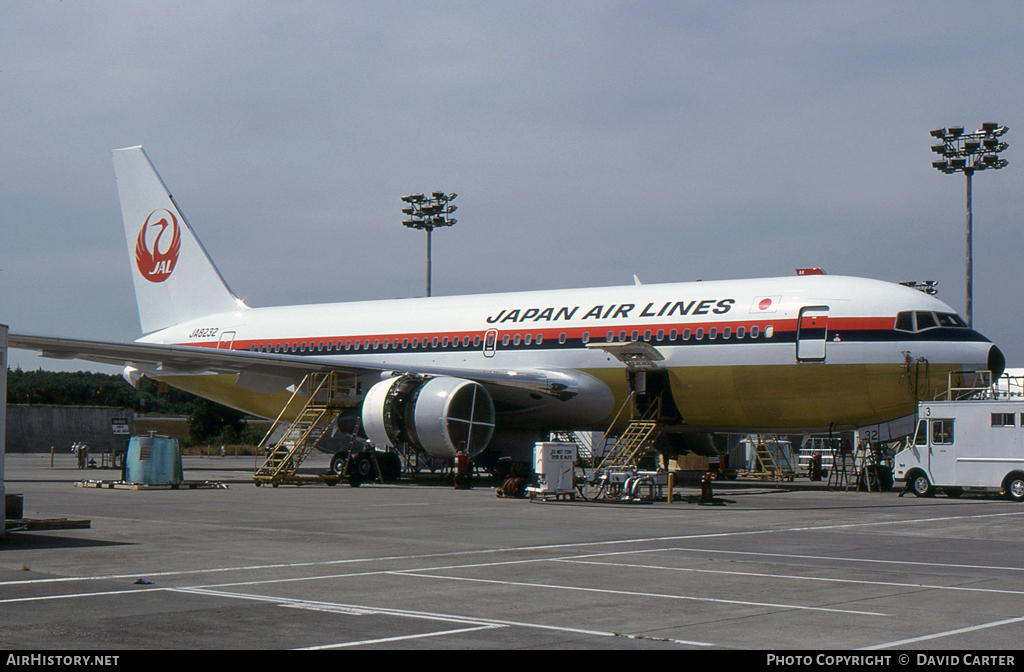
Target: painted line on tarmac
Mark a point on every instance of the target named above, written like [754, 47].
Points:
[630, 593]
[914, 563]
[948, 633]
[408, 613]
[764, 575]
[39, 598]
[486, 551]
[388, 640]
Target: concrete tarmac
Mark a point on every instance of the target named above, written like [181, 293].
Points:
[424, 566]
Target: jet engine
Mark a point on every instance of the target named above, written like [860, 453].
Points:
[441, 415]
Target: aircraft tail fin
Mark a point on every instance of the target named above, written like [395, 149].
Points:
[175, 278]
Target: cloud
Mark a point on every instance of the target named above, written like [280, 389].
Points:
[587, 140]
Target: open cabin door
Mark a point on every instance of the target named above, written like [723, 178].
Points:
[811, 334]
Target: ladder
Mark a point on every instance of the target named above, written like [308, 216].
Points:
[636, 440]
[845, 466]
[771, 460]
[311, 423]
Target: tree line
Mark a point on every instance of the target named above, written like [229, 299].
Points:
[209, 422]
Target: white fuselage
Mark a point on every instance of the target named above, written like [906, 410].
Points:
[730, 347]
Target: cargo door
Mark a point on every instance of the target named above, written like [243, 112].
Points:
[811, 334]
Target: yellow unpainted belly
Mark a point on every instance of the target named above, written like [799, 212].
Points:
[221, 388]
[800, 396]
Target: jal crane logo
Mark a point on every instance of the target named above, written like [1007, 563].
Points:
[158, 264]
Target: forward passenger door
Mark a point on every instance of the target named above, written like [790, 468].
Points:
[811, 333]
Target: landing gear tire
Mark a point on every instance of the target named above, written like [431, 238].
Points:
[360, 468]
[364, 467]
[338, 462]
[1013, 486]
[921, 486]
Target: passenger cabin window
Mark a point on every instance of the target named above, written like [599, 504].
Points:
[1003, 420]
[942, 432]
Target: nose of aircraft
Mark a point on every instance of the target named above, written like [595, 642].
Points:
[996, 362]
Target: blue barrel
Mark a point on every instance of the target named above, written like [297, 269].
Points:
[153, 461]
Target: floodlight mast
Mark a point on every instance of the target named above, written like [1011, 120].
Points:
[427, 213]
[968, 153]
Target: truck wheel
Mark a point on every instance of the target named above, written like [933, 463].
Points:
[1013, 486]
[921, 486]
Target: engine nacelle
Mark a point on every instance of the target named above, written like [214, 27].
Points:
[439, 415]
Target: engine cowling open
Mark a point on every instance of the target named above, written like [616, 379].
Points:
[441, 415]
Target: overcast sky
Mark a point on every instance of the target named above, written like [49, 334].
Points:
[587, 141]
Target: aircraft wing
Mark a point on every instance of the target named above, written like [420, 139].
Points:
[272, 372]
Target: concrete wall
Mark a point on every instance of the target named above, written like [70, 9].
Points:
[33, 429]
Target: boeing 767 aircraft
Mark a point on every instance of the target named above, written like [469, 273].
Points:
[787, 355]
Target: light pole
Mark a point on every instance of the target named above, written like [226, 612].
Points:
[428, 213]
[968, 153]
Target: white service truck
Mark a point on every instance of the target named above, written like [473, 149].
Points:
[965, 444]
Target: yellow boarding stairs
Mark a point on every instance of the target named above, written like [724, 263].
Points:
[325, 400]
[771, 460]
[635, 442]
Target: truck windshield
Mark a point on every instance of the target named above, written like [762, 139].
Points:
[922, 434]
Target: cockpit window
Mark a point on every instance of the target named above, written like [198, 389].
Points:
[950, 320]
[926, 321]
[923, 320]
